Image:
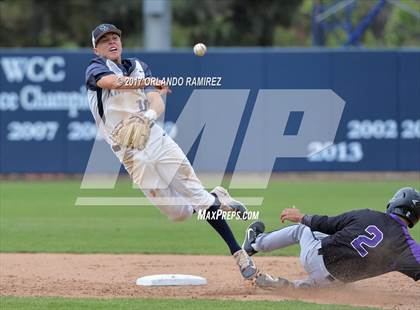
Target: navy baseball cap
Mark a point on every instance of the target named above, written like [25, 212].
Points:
[102, 30]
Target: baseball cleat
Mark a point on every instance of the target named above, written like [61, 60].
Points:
[227, 203]
[251, 234]
[246, 266]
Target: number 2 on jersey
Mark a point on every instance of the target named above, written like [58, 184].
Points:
[371, 242]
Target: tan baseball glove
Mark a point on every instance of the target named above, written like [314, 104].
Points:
[133, 132]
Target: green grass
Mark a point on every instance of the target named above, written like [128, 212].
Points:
[41, 216]
[31, 303]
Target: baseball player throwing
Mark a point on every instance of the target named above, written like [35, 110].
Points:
[125, 101]
[345, 248]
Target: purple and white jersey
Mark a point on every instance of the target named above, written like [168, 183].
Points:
[366, 243]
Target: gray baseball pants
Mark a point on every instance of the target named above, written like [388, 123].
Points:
[310, 242]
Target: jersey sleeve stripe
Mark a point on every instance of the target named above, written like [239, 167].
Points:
[414, 246]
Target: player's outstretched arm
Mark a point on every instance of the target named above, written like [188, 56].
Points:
[325, 224]
[291, 214]
[157, 106]
[113, 81]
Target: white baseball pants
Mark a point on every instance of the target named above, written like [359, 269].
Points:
[166, 177]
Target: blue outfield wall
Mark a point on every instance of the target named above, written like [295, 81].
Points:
[46, 125]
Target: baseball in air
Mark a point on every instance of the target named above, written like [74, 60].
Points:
[200, 49]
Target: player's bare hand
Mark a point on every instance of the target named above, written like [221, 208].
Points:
[291, 214]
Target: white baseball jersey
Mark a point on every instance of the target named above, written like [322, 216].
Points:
[161, 170]
[110, 106]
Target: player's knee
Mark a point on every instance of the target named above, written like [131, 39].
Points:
[181, 216]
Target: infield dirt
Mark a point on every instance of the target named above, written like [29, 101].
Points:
[108, 276]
